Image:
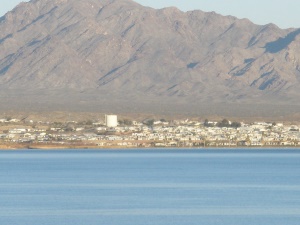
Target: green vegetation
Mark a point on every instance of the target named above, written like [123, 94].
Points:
[236, 124]
[149, 122]
[207, 124]
[126, 122]
[223, 123]
[226, 123]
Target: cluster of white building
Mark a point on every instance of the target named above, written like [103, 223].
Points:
[184, 133]
[193, 133]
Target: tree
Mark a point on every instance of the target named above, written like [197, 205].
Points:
[149, 123]
[236, 124]
[207, 124]
[69, 127]
[224, 123]
[126, 122]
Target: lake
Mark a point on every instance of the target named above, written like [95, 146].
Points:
[151, 187]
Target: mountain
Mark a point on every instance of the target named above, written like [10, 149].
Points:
[121, 56]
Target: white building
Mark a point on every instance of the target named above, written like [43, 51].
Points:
[111, 120]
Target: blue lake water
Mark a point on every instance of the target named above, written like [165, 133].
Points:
[151, 187]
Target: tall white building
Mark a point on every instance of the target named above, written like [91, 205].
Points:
[111, 120]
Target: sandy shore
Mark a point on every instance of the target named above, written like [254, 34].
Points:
[37, 146]
[18, 146]
[12, 146]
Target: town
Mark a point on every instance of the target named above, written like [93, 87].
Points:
[149, 133]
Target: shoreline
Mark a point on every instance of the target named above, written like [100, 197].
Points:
[19, 147]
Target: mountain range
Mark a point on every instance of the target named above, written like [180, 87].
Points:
[120, 56]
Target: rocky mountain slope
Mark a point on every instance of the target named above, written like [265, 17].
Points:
[102, 53]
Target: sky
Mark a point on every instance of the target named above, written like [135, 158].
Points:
[284, 13]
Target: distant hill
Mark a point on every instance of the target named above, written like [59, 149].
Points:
[120, 56]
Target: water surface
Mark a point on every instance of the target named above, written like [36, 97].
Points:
[151, 187]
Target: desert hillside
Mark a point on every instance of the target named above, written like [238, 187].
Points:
[117, 55]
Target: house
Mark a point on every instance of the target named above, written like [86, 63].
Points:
[14, 121]
[17, 131]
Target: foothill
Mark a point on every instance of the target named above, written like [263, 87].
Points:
[148, 133]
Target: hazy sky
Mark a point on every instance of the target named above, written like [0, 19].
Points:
[284, 13]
